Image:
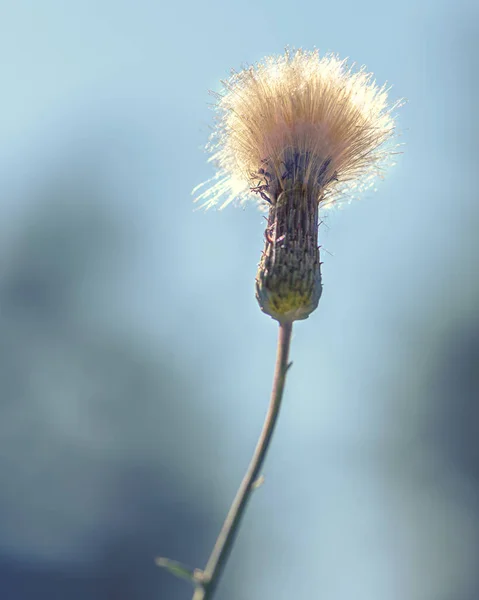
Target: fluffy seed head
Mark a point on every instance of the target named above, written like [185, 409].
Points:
[298, 116]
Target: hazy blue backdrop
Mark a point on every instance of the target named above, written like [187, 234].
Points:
[135, 365]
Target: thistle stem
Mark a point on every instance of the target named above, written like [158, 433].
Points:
[224, 544]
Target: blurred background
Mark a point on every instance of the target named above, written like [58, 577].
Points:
[135, 365]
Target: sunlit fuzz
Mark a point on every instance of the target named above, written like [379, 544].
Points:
[298, 116]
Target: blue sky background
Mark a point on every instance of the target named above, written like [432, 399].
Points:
[135, 363]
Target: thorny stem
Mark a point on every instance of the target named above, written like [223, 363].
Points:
[208, 580]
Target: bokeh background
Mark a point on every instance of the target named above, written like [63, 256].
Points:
[135, 365]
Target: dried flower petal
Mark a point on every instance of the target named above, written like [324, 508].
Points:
[298, 111]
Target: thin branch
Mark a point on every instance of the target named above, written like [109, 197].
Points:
[207, 581]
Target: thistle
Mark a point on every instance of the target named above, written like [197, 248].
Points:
[298, 132]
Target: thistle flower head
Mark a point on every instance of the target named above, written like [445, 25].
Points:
[299, 131]
[298, 117]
